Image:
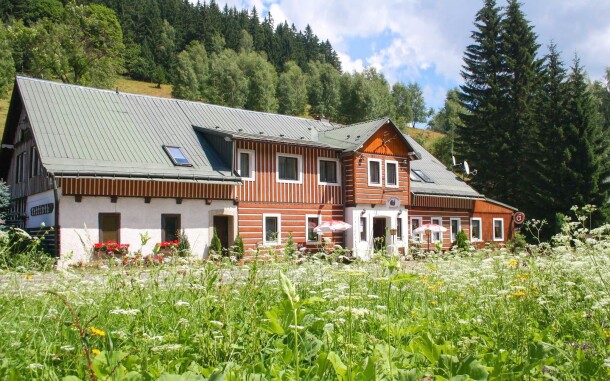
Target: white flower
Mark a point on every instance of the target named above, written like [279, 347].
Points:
[217, 323]
[120, 311]
[35, 366]
[181, 303]
[67, 348]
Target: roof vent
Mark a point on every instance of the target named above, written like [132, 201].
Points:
[357, 137]
[240, 129]
[348, 136]
[322, 118]
[261, 132]
[281, 135]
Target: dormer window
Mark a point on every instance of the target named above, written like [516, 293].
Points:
[177, 156]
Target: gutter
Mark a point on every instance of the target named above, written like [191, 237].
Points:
[206, 179]
[56, 232]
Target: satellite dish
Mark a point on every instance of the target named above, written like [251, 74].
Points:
[453, 160]
[466, 167]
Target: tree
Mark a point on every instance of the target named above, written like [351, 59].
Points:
[85, 49]
[482, 95]
[417, 104]
[191, 73]
[323, 89]
[447, 119]
[5, 199]
[401, 112]
[365, 96]
[292, 90]
[589, 153]
[262, 82]
[7, 65]
[227, 85]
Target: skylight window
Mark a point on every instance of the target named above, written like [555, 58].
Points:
[177, 156]
[414, 177]
[422, 176]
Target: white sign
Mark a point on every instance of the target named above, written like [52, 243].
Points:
[393, 203]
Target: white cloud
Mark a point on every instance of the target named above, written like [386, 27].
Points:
[348, 65]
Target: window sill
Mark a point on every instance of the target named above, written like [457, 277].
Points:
[289, 181]
[329, 184]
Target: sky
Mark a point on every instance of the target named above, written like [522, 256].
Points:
[423, 41]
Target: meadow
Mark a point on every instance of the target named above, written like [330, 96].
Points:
[539, 313]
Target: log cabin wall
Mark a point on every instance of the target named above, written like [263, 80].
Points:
[293, 202]
[385, 145]
[446, 215]
[487, 212]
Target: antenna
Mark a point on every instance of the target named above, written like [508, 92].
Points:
[466, 167]
[454, 161]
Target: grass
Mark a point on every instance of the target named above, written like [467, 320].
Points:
[428, 137]
[486, 314]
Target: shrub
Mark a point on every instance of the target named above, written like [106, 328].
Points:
[290, 250]
[461, 240]
[19, 251]
[184, 246]
[238, 250]
[216, 245]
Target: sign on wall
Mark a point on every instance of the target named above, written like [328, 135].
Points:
[39, 210]
[393, 202]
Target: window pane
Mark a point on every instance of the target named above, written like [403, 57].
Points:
[363, 228]
[476, 229]
[374, 172]
[498, 229]
[415, 223]
[109, 226]
[423, 176]
[328, 171]
[177, 155]
[391, 173]
[455, 228]
[312, 222]
[399, 229]
[170, 224]
[288, 168]
[244, 165]
[436, 236]
[271, 229]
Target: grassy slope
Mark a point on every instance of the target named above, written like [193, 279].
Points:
[145, 88]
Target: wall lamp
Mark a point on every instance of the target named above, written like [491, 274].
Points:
[362, 213]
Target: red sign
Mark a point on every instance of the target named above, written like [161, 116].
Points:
[519, 217]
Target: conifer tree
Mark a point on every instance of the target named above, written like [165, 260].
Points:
[480, 135]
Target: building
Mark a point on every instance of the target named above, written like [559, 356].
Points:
[101, 165]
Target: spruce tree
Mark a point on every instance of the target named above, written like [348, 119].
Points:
[519, 125]
[480, 134]
[589, 150]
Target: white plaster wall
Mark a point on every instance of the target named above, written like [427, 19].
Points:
[364, 249]
[80, 230]
[34, 222]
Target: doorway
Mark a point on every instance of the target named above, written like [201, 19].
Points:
[379, 232]
[221, 224]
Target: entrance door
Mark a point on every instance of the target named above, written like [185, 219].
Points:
[221, 224]
[379, 232]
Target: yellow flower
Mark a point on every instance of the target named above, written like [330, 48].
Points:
[28, 276]
[96, 332]
[95, 352]
[513, 262]
[519, 294]
[607, 334]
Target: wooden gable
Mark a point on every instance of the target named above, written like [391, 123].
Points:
[387, 140]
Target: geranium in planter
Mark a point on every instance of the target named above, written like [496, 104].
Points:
[166, 248]
[110, 248]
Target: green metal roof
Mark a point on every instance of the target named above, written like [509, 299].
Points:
[92, 132]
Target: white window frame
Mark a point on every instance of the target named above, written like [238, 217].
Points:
[387, 183]
[416, 237]
[252, 163]
[365, 228]
[279, 229]
[337, 168]
[452, 234]
[299, 168]
[440, 234]
[368, 172]
[307, 217]
[480, 239]
[493, 228]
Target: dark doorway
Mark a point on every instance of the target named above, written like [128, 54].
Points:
[379, 232]
[221, 224]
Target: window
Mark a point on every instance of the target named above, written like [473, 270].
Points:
[375, 172]
[170, 227]
[33, 162]
[437, 236]
[312, 222]
[414, 177]
[399, 229]
[177, 156]
[363, 229]
[328, 171]
[498, 229]
[391, 173]
[455, 225]
[422, 175]
[475, 229]
[110, 227]
[415, 223]
[19, 165]
[271, 228]
[245, 164]
[288, 168]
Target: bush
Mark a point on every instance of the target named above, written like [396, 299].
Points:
[216, 245]
[184, 246]
[461, 240]
[20, 252]
[238, 247]
[290, 250]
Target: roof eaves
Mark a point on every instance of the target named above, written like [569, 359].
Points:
[500, 204]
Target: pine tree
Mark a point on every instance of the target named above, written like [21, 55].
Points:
[480, 135]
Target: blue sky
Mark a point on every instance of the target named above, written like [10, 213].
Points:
[423, 40]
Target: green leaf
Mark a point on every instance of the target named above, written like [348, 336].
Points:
[338, 365]
[70, 378]
[273, 325]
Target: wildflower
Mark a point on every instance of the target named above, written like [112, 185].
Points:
[519, 294]
[35, 366]
[607, 362]
[67, 348]
[513, 262]
[28, 276]
[97, 332]
[217, 323]
[181, 303]
[296, 327]
[95, 352]
[607, 334]
[120, 311]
